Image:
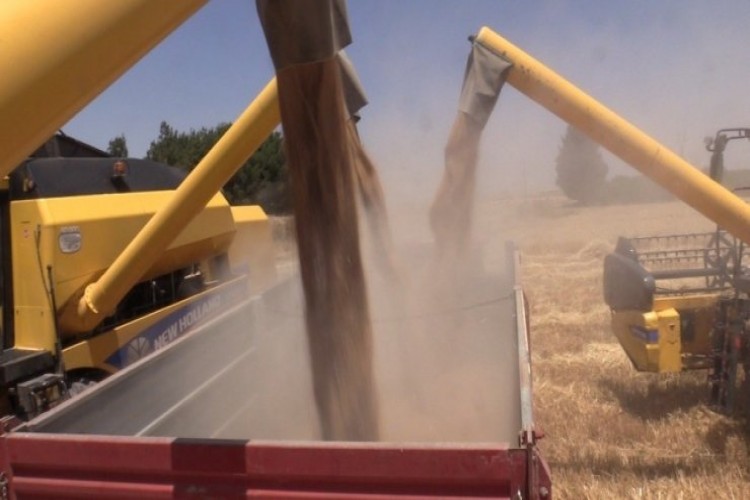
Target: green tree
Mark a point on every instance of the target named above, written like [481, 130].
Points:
[581, 170]
[118, 146]
[262, 179]
[184, 149]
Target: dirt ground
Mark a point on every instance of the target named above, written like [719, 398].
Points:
[610, 432]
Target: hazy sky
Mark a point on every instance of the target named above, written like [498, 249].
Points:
[677, 69]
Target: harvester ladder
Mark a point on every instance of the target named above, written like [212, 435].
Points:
[727, 338]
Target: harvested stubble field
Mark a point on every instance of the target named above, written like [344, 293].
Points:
[610, 432]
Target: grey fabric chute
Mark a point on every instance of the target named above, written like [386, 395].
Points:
[304, 31]
[485, 75]
[354, 92]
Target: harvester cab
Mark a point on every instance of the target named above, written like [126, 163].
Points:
[716, 146]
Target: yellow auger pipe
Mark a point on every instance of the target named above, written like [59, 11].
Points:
[664, 167]
[56, 56]
[247, 133]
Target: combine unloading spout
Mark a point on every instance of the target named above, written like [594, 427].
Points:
[50, 71]
[239, 142]
[621, 138]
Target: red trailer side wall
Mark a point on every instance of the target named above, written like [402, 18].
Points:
[76, 466]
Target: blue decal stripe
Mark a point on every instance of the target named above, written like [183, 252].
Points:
[648, 336]
[176, 324]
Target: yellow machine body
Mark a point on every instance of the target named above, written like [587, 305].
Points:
[59, 245]
[672, 337]
[104, 225]
[125, 344]
[668, 333]
[58, 56]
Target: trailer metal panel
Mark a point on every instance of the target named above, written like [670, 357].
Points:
[108, 466]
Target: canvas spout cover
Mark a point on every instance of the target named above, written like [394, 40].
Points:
[354, 92]
[486, 72]
[304, 31]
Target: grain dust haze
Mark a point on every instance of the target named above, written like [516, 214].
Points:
[443, 345]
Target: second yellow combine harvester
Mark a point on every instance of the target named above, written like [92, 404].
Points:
[704, 321]
[680, 301]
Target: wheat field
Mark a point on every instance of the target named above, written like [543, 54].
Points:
[610, 432]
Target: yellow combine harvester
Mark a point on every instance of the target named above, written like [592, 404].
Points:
[663, 292]
[680, 302]
[64, 221]
[662, 329]
[105, 260]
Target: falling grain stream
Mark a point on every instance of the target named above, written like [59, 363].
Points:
[319, 155]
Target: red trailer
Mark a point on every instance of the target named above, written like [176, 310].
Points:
[169, 426]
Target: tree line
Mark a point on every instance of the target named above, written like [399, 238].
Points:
[260, 180]
[581, 169]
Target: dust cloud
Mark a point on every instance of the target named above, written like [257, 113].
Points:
[444, 344]
[444, 337]
[437, 330]
[446, 352]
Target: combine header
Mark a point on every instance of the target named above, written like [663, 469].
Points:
[661, 285]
